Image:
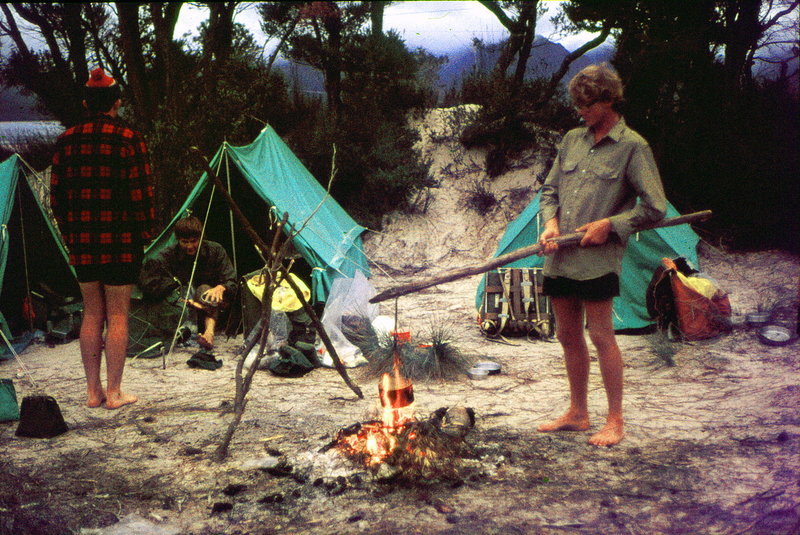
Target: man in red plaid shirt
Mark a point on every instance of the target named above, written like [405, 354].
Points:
[103, 202]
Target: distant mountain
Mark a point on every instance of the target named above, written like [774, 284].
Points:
[546, 58]
[308, 79]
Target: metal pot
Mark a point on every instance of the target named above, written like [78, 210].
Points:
[757, 319]
[774, 335]
[492, 368]
[477, 373]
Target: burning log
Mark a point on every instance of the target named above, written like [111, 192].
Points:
[426, 449]
[412, 448]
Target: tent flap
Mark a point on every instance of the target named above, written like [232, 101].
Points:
[33, 260]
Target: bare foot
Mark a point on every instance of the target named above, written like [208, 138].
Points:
[119, 400]
[206, 341]
[569, 422]
[610, 434]
[93, 400]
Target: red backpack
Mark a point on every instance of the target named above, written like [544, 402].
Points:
[677, 305]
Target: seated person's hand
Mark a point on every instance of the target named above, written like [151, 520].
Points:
[213, 296]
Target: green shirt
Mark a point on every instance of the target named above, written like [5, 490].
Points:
[591, 181]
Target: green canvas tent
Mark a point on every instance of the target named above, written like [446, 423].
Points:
[34, 266]
[266, 179]
[642, 257]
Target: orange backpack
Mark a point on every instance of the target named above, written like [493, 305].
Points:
[696, 315]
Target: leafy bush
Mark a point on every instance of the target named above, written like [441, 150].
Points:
[509, 124]
[479, 198]
[377, 169]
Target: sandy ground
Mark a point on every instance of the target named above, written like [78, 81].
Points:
[712, 445]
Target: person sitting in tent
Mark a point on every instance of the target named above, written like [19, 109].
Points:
[592, 187]
[204, 266]
[102, 199]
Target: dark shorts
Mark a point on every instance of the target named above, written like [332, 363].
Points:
[110, 274]
[598, 289]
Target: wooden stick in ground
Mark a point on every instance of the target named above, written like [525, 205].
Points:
[243, 384]
[567, 240]
[248, 228]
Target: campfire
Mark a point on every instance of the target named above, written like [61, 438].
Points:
[410, 446]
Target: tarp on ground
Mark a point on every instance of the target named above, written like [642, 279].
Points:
[642, 256]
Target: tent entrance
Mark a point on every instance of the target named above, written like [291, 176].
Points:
[36, 277]
[222, 227]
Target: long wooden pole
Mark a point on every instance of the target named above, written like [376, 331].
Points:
[567, 240]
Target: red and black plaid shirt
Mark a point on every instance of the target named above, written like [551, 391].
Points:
[100, 192]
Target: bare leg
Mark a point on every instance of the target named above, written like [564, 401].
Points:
[569, 329]
[601, 332]
[206, 338]
[207, 317]
[91, 340]
[118, 300]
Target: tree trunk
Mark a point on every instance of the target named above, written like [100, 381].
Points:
[528, 19]
[376, 18]
[333, 68]
[164, 18]
[512, 46]
[284, 37]
[219, 40]
[132, 52]
[76, 42]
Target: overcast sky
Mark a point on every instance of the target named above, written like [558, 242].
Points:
[436, 26]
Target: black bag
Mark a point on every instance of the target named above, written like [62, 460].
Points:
[513, 304]
[40, 417]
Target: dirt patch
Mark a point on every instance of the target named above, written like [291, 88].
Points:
[712, 445]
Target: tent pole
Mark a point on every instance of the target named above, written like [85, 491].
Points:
[234, 257]
[230, 213]
[25, 257]
[191, 277]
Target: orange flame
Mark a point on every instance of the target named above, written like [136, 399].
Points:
[377, 440]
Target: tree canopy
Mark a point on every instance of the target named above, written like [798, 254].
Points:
[693, 71]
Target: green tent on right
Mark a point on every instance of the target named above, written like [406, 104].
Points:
[642, 257]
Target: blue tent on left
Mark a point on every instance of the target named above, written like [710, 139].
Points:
[34, 268]
[642, 257]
